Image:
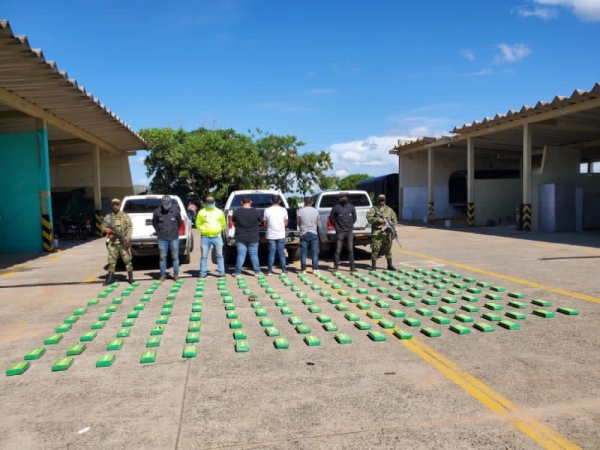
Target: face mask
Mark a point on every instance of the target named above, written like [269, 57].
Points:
[343, 202]
[166, 206]
[381, 202]
[210, 205]
[116, 208]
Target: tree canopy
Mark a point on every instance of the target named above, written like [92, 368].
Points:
[203, 160]
[350, 182]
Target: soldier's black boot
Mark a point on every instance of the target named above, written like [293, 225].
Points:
[390, 264]
[110, 279]
[130, 277]
[373, 264]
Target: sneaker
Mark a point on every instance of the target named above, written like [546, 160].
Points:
[201, 276]
[269, 273]
[221, 275]
[315, 272]
[235, 275]
[162, 278]
[258, 274]
[176, 277]
[303, 272]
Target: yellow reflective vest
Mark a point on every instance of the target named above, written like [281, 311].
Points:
[210, 222]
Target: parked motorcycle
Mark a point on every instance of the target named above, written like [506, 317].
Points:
[70, 228]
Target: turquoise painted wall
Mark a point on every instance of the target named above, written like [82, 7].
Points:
[20, 178]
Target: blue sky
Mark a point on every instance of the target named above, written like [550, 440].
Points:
[348, 77]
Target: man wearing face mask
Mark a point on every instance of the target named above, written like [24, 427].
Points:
[343, 216]
[166, 220]
[381, 240]
[210, 221]
[120, 222]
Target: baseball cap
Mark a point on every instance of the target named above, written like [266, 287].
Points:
[343, 194]
[166, 200]
[115, 200]
[381, 196]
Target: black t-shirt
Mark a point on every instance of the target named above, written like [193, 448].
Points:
[246, 222]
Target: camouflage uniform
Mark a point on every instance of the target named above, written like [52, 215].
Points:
[121, 222]
[381, 241]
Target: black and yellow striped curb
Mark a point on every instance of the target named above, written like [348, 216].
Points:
[471, 214]
[47, 234]
[526, 213]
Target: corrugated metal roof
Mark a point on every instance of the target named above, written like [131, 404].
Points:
[559, 102]
[572, 121]
[25, 73]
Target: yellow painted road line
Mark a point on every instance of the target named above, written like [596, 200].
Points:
[90, 279]
[577, 295]
[513, 414]
[8, 274]
[516, 416]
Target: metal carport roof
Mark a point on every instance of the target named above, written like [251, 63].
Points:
[572, 121]
[32, 86]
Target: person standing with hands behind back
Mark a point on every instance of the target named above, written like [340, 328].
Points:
[343, 216]
[308, 220]
[276, 221]
[210, 221]
[246, 220]
[166, 220]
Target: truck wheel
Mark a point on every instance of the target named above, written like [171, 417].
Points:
[294, 253]
[324, 249]
[184, 259]
[229, 254]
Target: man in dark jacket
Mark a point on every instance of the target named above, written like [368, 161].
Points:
[166, 220]
[343, 216]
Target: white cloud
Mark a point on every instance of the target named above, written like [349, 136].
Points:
[536, 11]
[588, 10]
[370, 155]
[512, 53]
[466, 53]
[141, 159]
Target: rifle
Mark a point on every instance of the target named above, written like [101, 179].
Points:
[118, 235]
[388, 226]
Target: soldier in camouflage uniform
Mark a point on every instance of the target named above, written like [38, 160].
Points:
[381, 241]
[121, 223]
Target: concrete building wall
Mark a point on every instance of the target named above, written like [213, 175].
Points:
[561, 165]
[77, 172]
[496, 200]
[20, 208]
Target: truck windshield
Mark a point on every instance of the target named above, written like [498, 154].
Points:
[329, 201]
[142, 205]
[258, 200]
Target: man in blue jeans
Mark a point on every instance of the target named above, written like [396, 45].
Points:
[308, 220]
[166, 220]
[210, 221]
[246, 220]
[276, 221]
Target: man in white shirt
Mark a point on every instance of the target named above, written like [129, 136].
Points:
[276, 221]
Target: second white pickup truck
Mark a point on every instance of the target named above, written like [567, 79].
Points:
[325, 201]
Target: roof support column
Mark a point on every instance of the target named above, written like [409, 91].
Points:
[470, 182]
[526, 208]
[97, 189]
[430, 185]
[45, 189]
[400, 185]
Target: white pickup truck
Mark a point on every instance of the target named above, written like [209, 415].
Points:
[261, 199]
[144, 241]
[325, 201]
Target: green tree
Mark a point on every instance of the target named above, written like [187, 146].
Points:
[349, 182]
[309, 171]
[199, 161]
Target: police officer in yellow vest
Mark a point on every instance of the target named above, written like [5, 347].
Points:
[210, 222]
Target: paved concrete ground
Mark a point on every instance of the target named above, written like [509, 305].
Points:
[536, 387]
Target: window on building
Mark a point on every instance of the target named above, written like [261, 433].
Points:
[584, 167]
